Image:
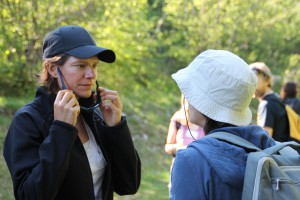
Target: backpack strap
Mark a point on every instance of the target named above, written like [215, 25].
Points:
[234, 140]
[284, 148]
[278, 100]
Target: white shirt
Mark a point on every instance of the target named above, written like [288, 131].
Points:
[262, 113]
[96, 160]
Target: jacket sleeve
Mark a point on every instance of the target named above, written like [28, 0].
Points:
[125, 161]
[37, 164]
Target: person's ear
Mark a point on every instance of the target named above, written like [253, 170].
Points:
[52, 70]
[269, 80]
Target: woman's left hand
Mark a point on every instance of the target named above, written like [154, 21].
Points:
[111, 106]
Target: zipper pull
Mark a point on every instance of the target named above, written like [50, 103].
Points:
[277, 184]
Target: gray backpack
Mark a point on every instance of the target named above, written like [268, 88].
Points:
[272, 173]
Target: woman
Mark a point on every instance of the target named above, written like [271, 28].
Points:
[218, 86]
[60, 146]
[181, 132]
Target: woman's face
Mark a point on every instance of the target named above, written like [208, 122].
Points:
[196, 117]
[262, 86]
[79, 75]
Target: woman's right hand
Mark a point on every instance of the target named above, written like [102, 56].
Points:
[66, 107]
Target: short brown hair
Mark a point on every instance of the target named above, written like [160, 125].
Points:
[44, 77]
[289, 90]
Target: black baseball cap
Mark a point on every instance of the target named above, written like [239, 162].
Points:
[74, 41]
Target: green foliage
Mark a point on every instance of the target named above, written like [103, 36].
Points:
[152, 39]
[292, 72]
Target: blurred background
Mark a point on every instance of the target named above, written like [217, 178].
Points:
[152, 39]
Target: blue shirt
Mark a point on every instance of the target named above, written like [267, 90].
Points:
[212, 169]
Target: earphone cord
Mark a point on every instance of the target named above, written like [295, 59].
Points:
[63, 86]
[187, 119]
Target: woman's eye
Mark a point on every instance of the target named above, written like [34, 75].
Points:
[80, 65]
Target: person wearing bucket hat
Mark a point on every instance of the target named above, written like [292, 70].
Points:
[271, 113]
[71, 142]
[218, 86]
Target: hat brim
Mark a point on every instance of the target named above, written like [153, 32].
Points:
[88, 51]
[204, 105]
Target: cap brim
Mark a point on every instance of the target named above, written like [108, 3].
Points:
[105, 55]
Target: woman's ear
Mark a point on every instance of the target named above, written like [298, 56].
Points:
[52, 70]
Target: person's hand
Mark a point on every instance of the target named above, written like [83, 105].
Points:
[66, 107]
[111, 106]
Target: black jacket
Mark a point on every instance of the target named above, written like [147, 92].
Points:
[276, 118]
[47, 160]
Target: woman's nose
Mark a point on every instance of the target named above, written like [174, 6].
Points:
[90, 72]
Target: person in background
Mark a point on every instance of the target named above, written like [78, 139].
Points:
[181, 131]
[271, 114]
[288, 93]
[61, 146]
[218, 86]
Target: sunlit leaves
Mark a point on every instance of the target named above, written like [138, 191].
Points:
[154, 38]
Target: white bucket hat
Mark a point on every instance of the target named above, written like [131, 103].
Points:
[220, 85]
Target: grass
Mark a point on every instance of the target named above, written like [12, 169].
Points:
[5, 180]
[148, 123]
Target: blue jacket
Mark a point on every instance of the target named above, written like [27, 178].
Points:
[47, 160]
[212, 169]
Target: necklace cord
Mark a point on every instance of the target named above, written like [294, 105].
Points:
[187, 119]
